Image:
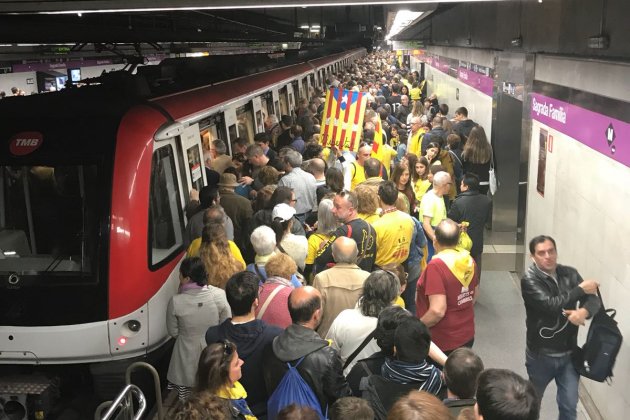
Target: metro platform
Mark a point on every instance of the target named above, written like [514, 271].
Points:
[499, 321]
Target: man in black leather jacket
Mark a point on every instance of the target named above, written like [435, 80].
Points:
[551, 293]
[321, 367]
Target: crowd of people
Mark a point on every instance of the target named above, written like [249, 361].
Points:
[347, 268]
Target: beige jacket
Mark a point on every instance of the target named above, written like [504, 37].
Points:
[340, 286]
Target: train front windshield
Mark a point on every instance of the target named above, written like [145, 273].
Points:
[49, 231]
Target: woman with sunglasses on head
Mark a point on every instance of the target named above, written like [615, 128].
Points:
[218, 373]
[196, 307]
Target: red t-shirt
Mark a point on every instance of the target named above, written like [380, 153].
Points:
[458, 325]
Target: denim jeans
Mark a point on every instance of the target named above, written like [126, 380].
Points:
[409, 295]
[542, 369]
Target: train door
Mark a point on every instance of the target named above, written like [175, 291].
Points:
[267, 100]
[306, 87]
[193, 158]
[212, 128]
[284, 101]
[230, 125]
[245, 122]
[275, 101]
[292, 91]
[166, 218]
[260, 113]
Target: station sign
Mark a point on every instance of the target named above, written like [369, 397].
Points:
[25, 143]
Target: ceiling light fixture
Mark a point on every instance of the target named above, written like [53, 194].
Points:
[261, 5]
[403, 19]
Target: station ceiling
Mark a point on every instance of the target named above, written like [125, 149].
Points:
[86, 27]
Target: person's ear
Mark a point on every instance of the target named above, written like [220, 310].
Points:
[394, 351]
[256, 303]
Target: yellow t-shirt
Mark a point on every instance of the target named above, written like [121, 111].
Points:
[358, 175]
[400, 302]
[394, 231]
[193, 250]
[314, 244]
[434, 207]
[415, 94]
[370, 218]
[420, 188]
[415, 142]
[386, 157]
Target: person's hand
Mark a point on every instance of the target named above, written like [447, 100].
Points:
[246, 180]
[576, 316]
[194, 195]
[335, 150]
[589, 286]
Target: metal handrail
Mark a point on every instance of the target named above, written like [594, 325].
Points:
[125, 402]
[156, 383]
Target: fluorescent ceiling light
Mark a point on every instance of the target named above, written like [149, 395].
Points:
[260, 5]
[403, 19]
[304, 27]
[315, 26]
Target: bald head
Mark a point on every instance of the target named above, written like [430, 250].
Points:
[447, 233]
[317, 165]
[305, 305]
[344, 250]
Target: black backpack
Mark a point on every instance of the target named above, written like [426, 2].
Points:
[596, 358]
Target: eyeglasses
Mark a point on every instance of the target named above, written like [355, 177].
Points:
[293, 200]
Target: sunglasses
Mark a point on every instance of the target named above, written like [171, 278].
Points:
[228, 348]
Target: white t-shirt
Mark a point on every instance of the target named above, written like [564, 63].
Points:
[348, 331]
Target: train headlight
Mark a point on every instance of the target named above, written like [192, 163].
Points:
[133, 325]
[130, 328]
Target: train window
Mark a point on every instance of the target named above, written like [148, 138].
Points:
[166, 220]
[284, 102]
[232, 131]
[49, 220]
[277, 107]
[210, 129]
[245, 121]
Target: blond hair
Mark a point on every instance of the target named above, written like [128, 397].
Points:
[280, 265]
[216, 255]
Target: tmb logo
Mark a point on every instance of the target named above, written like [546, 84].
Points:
[26, 142]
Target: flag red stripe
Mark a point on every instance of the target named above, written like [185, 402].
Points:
[328, 114]
[345, 119]
[334, 133]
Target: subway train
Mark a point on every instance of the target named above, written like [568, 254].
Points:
[93, 183]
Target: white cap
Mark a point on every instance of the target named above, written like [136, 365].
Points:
[282, 211]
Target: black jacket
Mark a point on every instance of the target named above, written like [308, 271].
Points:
[364, 368]
[321, 367]
[251, 339]
[383, 394]
[475, 208]
[544, 302]
[437, 135]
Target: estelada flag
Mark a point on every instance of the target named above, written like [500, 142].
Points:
[342, 124]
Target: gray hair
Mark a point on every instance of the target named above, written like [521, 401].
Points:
[253, 150]
[273, 118]
[379, 291]
[326, 221]
[219, 147]
[441, 178]
[263, 240]
[293, 158]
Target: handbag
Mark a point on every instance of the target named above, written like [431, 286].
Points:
[492, 177]
[464, 239]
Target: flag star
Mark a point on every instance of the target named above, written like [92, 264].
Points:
[344, 100]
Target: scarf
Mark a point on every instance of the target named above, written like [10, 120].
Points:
[428, 376]
[236, 395]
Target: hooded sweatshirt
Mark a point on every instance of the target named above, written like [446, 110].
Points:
[452, 273]
[250, 338]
